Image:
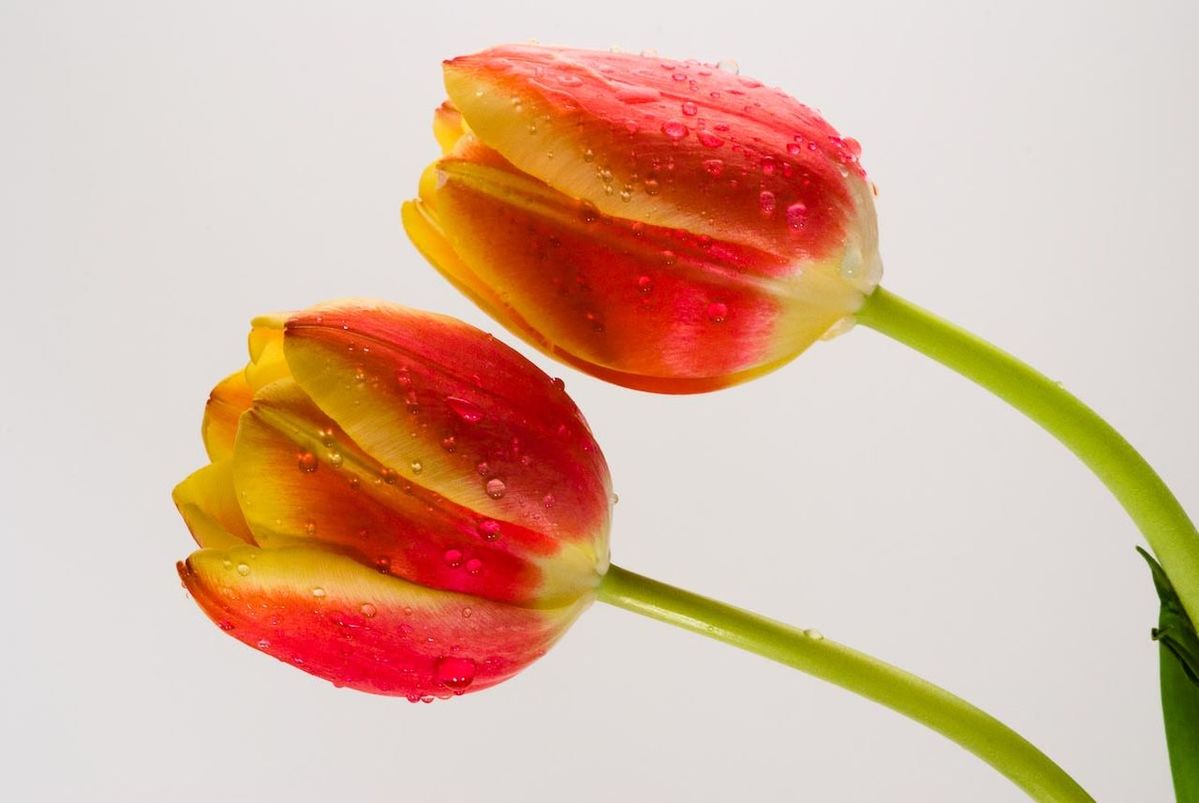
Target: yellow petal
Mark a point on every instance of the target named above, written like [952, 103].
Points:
[208, 503]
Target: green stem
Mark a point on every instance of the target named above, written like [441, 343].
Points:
[809, 652]
[1135, 484]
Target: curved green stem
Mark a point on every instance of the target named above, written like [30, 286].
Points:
[809, 652]
[1131, 480]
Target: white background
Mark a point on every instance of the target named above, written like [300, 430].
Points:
[168, 170]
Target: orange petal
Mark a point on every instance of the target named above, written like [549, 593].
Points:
[330, 616]
[453, 410]
[208, 504]
[448, 126]
[652, 308]
[301, 479]
[673, 144]
[228, 400]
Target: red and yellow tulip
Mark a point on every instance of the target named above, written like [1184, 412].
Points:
[396, 502]
[666, 225]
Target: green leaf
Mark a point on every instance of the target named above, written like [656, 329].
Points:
[1179, 657]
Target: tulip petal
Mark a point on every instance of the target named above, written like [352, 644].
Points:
[336, 619]
[267, 363]
[652, 308]
[673, 144]
[208, 503]
[450, 409]
[301, 479]
[448, 126]
[228, 400]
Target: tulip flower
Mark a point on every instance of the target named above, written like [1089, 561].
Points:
[395, 502]
[400, 504]
[674, 227]
[663, 224]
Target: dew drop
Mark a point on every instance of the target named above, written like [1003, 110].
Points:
[674, 130]
[474, 565]
[797, 215]
[335, 459]
[416, 466]
[489, 529]
[454, 672]
[307, 462]
[794, 149]
[729, 66]
[714, 167]
[243, 569]
[569, 79]
[449, 443]
[717, 312]
[769, 165]
[318, 592]
[766, 202]
[368, 610]
[262, 644]
[652, 187]
[452, 558]
[548, 501]
[327, 436]
[689, 108]
[709, 140]
[468, 411]
[466, 613]
[558, 383]
[814, 635]
[587, 212]
[645, 285]
[495, 488]
[388, 475]
[225, 625]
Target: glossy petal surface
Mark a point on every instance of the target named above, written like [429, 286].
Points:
[447, 407]
[334, 618]
[651, 307]
[661, 224]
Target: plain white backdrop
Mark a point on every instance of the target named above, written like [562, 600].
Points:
[168, 170]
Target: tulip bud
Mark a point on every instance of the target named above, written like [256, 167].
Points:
[666, 225]
[396, 502]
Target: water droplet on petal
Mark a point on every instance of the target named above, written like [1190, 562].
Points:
[674, 130]
[588, 212]
[729, 66]
[307, 462]
[495, 488]
[454, 672]
[569, 79]
[548, 501]
[797, 215]
[814, 635]
[766, 202]
[243, 569]
[709, 140]
[689, 108]
[452, 558]
[652, 187]
[714, 166]
[489, 529]
[318, 592]
[717, 312]
[468, 411]
[645, 285]
[474, 565]
[368, 610]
